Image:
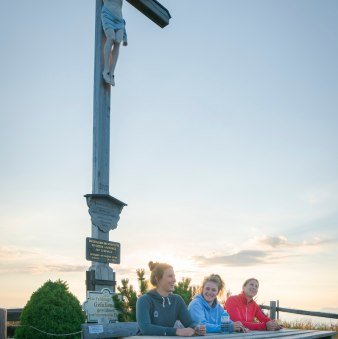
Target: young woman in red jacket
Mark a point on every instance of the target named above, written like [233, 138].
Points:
[243, 308]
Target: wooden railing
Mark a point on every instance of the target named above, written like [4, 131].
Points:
[8, 316]
[275, 309]
[13, 315]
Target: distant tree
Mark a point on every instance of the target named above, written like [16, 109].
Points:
[184, 289]
[143, 283]
[125, 304]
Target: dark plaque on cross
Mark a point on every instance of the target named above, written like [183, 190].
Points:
[103, 251]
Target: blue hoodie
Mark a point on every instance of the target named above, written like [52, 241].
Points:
[156, 315]
[204, 314]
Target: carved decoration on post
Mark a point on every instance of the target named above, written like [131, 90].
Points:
[104, 211]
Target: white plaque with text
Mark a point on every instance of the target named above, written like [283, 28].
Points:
[99, 307]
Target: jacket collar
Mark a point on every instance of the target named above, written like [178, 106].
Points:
[205, 303]
[243, 299]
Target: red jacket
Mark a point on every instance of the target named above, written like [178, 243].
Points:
[241, 310]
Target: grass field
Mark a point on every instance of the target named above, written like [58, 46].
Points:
[310, 325]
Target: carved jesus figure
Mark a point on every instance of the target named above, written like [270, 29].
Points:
[114, 28]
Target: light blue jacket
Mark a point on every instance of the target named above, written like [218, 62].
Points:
[210, 316]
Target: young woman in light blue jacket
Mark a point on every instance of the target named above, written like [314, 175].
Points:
[206, 310]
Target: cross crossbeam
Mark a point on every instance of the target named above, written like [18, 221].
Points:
[153, 10]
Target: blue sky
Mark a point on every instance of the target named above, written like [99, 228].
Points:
[224, 135]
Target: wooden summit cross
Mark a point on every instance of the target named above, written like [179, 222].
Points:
[103, 208]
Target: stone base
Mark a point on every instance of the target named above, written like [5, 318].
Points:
[93, 331]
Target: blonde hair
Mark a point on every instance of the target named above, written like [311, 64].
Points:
[157, 270]
[248, 280]
[215, 278]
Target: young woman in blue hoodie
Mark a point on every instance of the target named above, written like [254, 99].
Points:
[206, 310]
[159, 309]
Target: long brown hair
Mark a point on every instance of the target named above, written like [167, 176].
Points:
[157, 270]
[215, 278]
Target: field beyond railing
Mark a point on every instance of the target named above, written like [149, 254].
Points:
[275, 309]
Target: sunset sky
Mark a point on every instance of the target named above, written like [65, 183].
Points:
[224, 145]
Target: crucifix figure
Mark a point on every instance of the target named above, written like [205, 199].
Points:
[114, 28]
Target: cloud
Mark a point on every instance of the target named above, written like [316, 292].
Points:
[281, 241]
[274, 241]
[241, 258]
[125, 271]
[272, 250]
[39, 268]
[65, 268]
[19, 260]
[11, 252]
[319, 241]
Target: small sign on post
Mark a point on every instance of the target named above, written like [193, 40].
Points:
[100, 307]
[103, 251]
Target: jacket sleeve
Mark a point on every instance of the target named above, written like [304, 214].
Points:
[260, 315]
[231, 307]
[143, 310]
[197, 314]
[184, 315]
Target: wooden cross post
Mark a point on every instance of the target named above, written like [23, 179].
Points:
[103, 208]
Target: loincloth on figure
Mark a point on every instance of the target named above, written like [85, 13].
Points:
[111, 22]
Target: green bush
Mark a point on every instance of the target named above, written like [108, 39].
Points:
[52, 309]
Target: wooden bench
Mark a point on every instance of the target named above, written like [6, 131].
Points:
[285, 333]
[128, 331]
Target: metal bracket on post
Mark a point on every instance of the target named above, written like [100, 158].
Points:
[106, 282]
[91, 282]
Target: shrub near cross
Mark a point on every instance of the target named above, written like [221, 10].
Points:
[52, 309]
